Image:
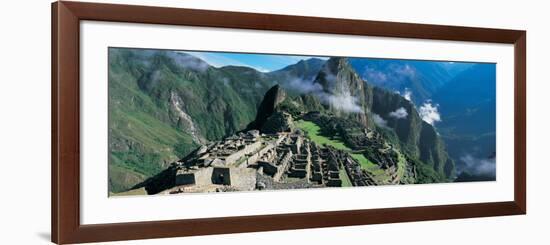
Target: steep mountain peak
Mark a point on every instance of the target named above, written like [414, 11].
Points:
[337, 70]
[336, 64]
[343, 91]
[273, 97]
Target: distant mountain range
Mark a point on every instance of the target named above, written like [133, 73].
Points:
[399, 119]
[468, 126]
[164, 104]
[465, 96]
[415, 79]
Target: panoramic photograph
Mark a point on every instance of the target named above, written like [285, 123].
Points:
[205, 122]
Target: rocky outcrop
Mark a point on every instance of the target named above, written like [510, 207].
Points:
[273, 97]
[278, 122]
[346, 95]
[416, 137]
[343, 91]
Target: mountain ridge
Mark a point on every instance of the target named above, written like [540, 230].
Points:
[163, 105]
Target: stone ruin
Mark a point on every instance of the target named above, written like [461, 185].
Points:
[254, 161]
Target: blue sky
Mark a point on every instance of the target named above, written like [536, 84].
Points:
[260, 62]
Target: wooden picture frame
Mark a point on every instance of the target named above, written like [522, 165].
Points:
[65, 181]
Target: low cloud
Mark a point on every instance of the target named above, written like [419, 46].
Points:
[304, 86]
[261, 69]
[479, 166]
[400, 113]
[392, 74]
[189, 61]
[331, 80]
[378, 120]
[429, 112]
[342, 102]
[407, 94]
[376, 76]
[226, 81]
[405, 70]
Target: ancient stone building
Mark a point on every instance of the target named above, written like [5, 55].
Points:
[251, 160]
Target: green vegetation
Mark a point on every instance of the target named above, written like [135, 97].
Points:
[346, 182]
[426, 174]
[134, 192]
[363, 161]
[313, 132]
[401, 165]
[148, 92]
[117, 171]
[291, 107]
[164, 104]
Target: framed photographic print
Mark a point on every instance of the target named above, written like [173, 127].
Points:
[176, 122]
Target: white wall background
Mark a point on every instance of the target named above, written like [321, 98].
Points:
[25, 121]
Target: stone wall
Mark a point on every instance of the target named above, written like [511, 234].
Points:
[221, 176]
[231, 159]
[256, 156]
[184, 178]
[199, 177]
[243, 179]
